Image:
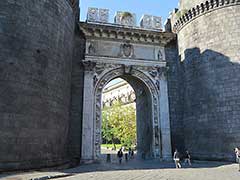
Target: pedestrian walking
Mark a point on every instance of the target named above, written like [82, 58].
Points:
[129, 152]
[176, 158]
[187, 158]
[132, 154]
[120, 155]
[126, 157]
[237, 152]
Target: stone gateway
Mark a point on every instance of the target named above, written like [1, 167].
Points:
[53, 69]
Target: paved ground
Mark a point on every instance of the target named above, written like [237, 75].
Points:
[138, 170]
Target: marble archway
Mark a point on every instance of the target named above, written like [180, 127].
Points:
[97, 75]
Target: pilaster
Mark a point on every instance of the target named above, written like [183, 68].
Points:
[88, 109]
[164, 115]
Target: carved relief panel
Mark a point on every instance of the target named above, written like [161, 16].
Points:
[125, 49]
[97, 15]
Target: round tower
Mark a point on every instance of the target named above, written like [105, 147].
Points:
[36, 42]
[209, 49]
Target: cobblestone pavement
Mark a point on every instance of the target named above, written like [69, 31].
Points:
[138, 170]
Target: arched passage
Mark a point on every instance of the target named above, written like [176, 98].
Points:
[153, 127]
[118, 117]
[146, 96]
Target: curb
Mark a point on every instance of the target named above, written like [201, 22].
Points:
[52, 177]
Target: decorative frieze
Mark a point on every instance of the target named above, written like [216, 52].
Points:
[133, 35]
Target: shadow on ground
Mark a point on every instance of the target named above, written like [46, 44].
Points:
[133, 164]
[140, 165]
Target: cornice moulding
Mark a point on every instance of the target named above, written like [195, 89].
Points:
[125, 33]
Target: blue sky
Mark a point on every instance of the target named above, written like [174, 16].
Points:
[151, 7]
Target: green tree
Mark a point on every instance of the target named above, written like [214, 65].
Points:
[119, 122]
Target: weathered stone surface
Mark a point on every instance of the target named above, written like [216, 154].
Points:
[209, 48]
[175, 94]
[35, 76]
[125, 18]
[75, 123]
[97, 15]
[143, 66]
[92, 15]
[103, 15]
[188, 4]
[194, 81]
[151, 22]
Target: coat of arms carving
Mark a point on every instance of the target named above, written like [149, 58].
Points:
[127, 50]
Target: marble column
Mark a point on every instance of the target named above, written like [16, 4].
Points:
[87, 154]
[164, 116]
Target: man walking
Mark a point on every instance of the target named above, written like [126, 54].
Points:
[120, 155]
[188, 158]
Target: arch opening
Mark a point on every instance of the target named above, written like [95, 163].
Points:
[118, 117]
[144, 114]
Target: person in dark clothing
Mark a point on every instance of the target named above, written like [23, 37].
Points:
[132, 154]
[120, 155]
[187, 158]
[126, 157]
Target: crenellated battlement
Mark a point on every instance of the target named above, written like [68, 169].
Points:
[98, 15]
[199, 10]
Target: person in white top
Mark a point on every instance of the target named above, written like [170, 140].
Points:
[176, 158]
[237, 152]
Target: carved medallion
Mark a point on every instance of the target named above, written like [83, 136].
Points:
[127, 50]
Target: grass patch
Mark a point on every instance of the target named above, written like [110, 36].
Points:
[110, 146]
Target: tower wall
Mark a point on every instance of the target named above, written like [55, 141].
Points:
[209, 48]
[175, 94]
[36, 39]
[188, 4]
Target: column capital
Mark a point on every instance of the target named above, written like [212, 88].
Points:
[163, 71]
[89, 65]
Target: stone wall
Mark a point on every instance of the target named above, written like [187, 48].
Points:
[209, 47]
[187, 4]
[36, 39]
[75, 128]
[75, 6]
[175, 92]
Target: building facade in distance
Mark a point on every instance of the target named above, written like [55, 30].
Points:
[118, 91]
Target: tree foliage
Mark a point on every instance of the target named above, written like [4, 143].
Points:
[119, 122]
